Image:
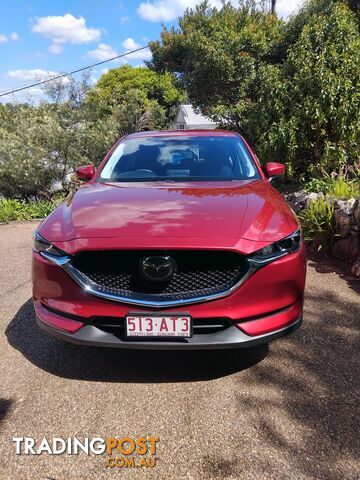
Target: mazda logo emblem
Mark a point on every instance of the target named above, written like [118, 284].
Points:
[157, 269]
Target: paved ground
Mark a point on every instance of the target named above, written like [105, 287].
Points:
[287, 411]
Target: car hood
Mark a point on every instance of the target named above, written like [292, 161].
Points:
[250, 210]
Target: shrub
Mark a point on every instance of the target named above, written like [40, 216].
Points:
[338, 187]
[317, 185]
[292, 89]
[345, 189]
[26, 167]
[318, 224]
[314, 105]
[40, 209]
[19, 210]
[11, 210]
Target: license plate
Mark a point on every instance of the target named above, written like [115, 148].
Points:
[158, 326]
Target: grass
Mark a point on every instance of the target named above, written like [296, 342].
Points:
[20, 210]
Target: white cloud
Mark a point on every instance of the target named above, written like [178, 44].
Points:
[37, 91]
[28, 75]
[32, 95]
[13, 36]
[103, 52]
[285, 8]
[130, 44]
[167, 10]
[66, 29]
[55, 48]
[93, 80]
[142, 55]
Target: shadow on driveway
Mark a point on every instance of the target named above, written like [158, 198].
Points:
[323, 263]
[117, 365]
[308, 405]
[5, 406]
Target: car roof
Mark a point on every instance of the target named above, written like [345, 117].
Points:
[184, 133]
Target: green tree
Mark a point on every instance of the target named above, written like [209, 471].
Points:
[311, 111]
[219, 55]
[292, 88]
[136, 113]
[26, 169]
[76, 132]
[155, 90]
[41, 145]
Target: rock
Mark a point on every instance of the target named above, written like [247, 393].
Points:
[356, 211]
[355, 269]
[297, 201]
[342, 223]
[347, 248]
[345, 205]
[355, 229]
[331, 200]
[300, 200]
[312, 197]
[346, 244]
[320, 239]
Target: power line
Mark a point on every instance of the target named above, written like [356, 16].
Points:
[67, 74]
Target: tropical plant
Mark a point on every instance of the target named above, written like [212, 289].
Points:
[10, 210]
[337, 187]
[40, 209]
[345, 189]
[318, 223]
[318, 185]
[21, 210]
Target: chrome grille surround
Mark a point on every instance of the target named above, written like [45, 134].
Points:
[154, 299]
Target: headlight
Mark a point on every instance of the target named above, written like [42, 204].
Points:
[289, 244]
[42, 245]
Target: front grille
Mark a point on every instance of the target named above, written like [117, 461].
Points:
[198, 273]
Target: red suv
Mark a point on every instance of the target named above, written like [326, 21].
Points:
[177, 241]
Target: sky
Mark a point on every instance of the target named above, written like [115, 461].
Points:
[39, 38]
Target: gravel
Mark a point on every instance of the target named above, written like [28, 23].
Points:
[284, 411]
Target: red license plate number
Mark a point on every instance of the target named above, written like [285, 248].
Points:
[158, 326]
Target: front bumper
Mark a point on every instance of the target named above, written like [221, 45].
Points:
[232, 337]
[265, 307]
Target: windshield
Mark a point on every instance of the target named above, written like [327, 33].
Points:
[180, 158]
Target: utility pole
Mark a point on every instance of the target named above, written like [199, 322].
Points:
[273, 5]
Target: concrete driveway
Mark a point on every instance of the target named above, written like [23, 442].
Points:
[287, 411]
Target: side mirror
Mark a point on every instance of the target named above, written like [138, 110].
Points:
[85, 172]
[274, 169]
